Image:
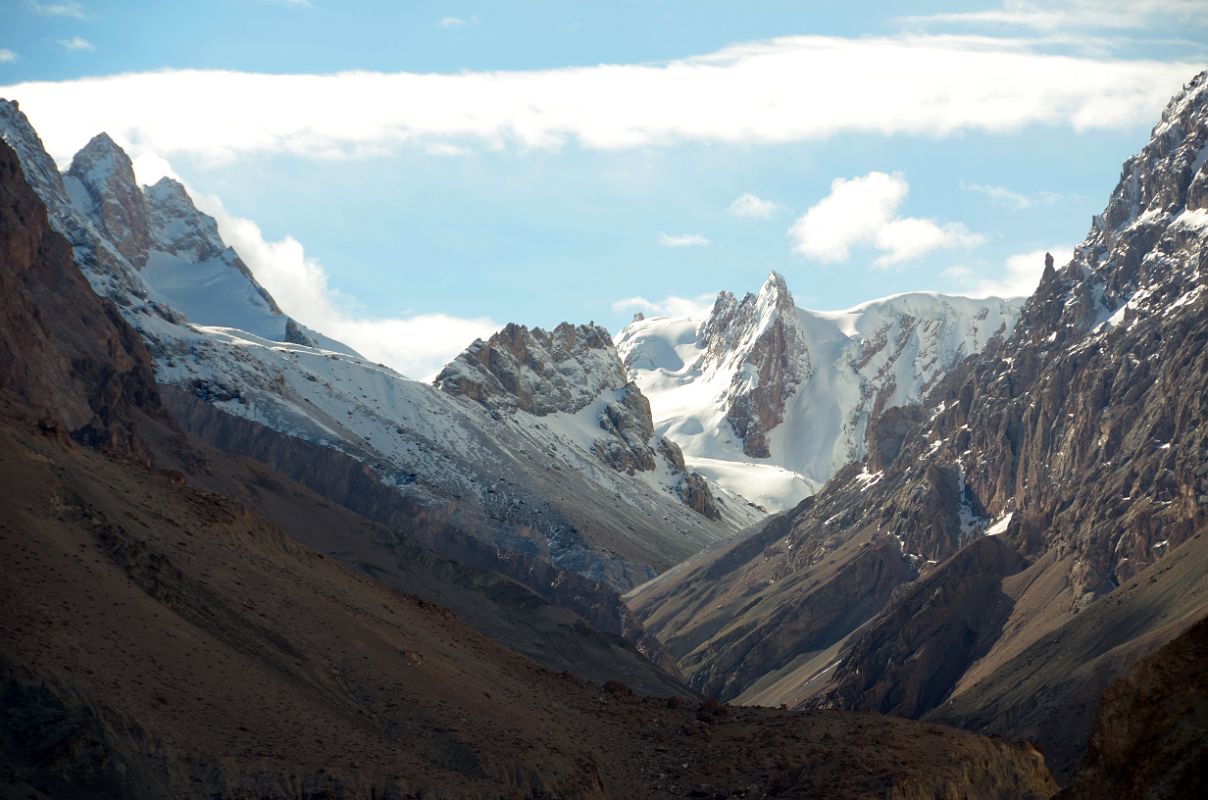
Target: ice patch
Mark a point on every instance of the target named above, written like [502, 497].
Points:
[1000, 525]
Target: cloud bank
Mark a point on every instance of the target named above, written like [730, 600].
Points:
[926, 85]
[864, 211]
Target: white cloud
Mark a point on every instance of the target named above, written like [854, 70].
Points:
[1063, 15]
[74, 10]
[671, 306]
[76, 43]
[1000, 194]
[1010, 198]
[150, 167]
[750, 94]
[683, 240]
[457, 22]
[1018, 276]
[416, 345]
[864, 211]
[748, 205]
[7, 56]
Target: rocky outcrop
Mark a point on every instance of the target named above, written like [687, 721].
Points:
[697, 495]
[888, 431]
[565, 371]
[627, 421]
[541, 372]
[111, 197]
[761, 331]
[926, 639]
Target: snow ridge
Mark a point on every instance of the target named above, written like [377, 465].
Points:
[807, 380]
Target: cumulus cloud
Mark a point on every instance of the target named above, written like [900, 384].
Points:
[864, 211]
[7, 56]
[671, 306]
[76, 43]
[416, 345]
[748, 205]
[683, 240]
[748, 94]
[1017, 277]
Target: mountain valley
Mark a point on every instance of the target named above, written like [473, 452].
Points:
[927, 546]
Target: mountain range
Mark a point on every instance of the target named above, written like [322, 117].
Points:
[770, 400]
[247, 561]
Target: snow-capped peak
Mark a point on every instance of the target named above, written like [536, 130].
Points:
[101, 184]
[101, 161]
[775, 292]
[770, 400]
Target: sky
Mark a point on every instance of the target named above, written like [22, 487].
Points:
[409, 176]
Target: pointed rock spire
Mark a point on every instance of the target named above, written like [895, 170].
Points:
[117, 206]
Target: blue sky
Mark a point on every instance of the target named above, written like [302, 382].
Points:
[407, 176]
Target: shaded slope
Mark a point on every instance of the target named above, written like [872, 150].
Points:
[1151, 730]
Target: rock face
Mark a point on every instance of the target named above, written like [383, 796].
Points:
[574, 370]
[1039, 490]
[536, 371]
[101, 180]
[760, 341]
[770, 400]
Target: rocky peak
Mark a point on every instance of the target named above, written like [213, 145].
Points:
[1162, 190]
[176, 226]
[113, 200]
[734, 325]
[565, 371]
[775, 294]
[538, 371]
[760, 339]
